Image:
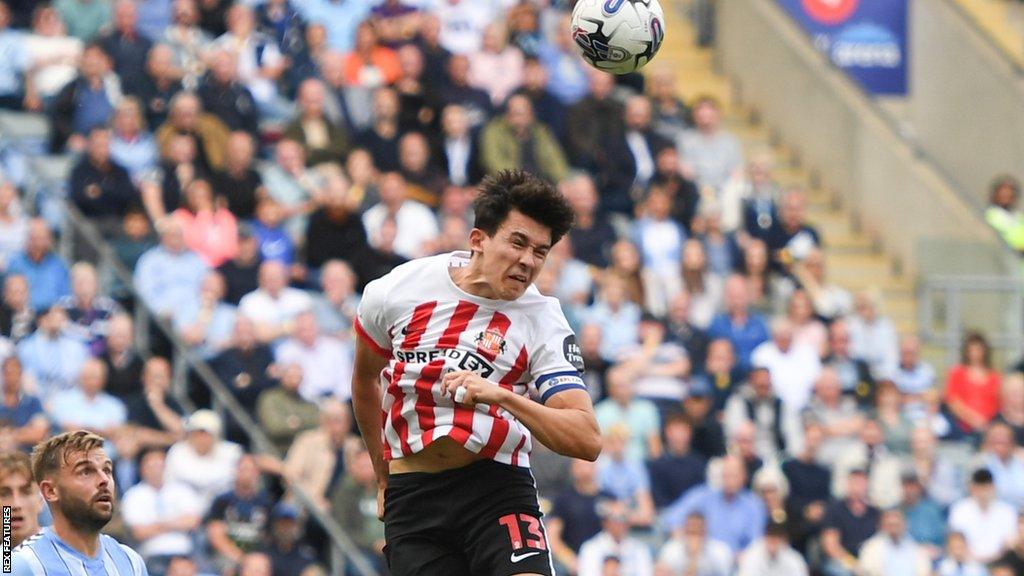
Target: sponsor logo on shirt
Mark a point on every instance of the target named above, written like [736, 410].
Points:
[462, 359]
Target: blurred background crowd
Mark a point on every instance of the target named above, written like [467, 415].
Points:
[253, 165]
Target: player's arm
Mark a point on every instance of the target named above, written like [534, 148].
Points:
[366, 403]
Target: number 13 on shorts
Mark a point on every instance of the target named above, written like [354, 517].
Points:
[514, 524]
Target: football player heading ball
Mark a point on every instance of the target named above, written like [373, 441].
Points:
[458, 341]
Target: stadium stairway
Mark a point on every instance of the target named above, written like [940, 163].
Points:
[854, 260]
[1002, 20]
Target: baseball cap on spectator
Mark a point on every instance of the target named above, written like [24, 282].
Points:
[284, 511]
[982, 476]
[204, 420]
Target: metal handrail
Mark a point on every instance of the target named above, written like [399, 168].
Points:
[952, 290]
[342, 545]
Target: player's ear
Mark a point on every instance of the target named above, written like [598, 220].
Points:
[48, 489]
[476, 240]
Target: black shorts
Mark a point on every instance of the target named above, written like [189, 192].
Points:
[478, 520]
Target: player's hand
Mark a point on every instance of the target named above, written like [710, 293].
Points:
[469, 388]
[380, 503]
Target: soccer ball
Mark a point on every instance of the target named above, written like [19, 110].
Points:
[618, 36]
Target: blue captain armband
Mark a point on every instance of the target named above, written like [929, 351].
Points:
[550, 384]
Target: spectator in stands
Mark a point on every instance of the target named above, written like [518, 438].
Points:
[370, 65]
[294, 186]
[88, 311]
[349, 503]
[85, 103]
[1002, 213]
[639, 416]
[100, 188]
[459, 157]
[660, 241]
[537, 88]
[892, 550]
[888, 412]
[940, 477]
[381, 139]
[972, 386]
[758, 404]
[245, 368]
[274, 305]
[854, 374]
[678, 468]
[791, 239]
[335, 306]
[872, 335]
[882, 466]
[913, 376]
[794, 366]
[639, 147]
[712, 156]
[87, 406]
[13, 223]
[187, 118]
[718, 370]
[592, 122]
[839, 416]
[614, 540]
[316, 461]
[260, 62]
[52, 57]
[21, 412]
[988, 524]
[831, 301]
[336, 231]
[723, 251]
[126, 45]
[225, 96]
[658, 368]
[239, 184]
[155, 416]
[848, 523]
[1011, 406]
[574, 517]
[703, 286]
[166, 192]
[708, 435]
[51, 356]
[238, 518]
[618, 318]
[189, 42]
[241, 272]
[17, 320]
[14, 66]
[124, 367]
[691, 551]
[326, 360]
[160, 515]
[807, 329]
[671, 115]
[734, 515]
[209, 229]
[168, 276]
[134, 239]
[396, 22]
[809, 482]
[428, 41]
[682, 330]
[416, 226]
[1013, 558]
[517, 140]
[958, 560]
[282, 412]
[275, 243]
[771, 555]
[497, 68]
[425, 183]
[207, 323]
[1001, 456]
[569, 81]
[132, 146]
[45, 271]
[592, 235]
[340, 19]
[737, 324]
[160, 84]
[323, 139]
[767, 289]
[926, 520]
[84, 19]
[288, 555]
[624, 475]
[202, 460]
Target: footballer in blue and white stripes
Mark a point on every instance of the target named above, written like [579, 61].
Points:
[75, 478]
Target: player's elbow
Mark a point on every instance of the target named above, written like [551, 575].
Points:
[588, 446]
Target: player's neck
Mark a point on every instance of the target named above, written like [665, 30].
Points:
[85, 542]
[470, 279]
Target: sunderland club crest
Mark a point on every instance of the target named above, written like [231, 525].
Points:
[490, 341]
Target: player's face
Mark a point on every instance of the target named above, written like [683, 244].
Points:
[85, 490]
[20, 493]
[514, 256]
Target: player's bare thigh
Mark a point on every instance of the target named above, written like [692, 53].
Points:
[442, 454]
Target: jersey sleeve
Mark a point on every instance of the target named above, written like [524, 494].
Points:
[138, 565]
[556, 361]
[371, 323]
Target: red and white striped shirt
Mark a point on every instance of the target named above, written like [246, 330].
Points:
[427, 326]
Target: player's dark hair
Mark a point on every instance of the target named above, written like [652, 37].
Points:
[48, 457]
[509, 190]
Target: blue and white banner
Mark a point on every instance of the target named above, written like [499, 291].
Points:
[866, 38]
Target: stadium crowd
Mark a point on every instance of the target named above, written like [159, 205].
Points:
[255, 164]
